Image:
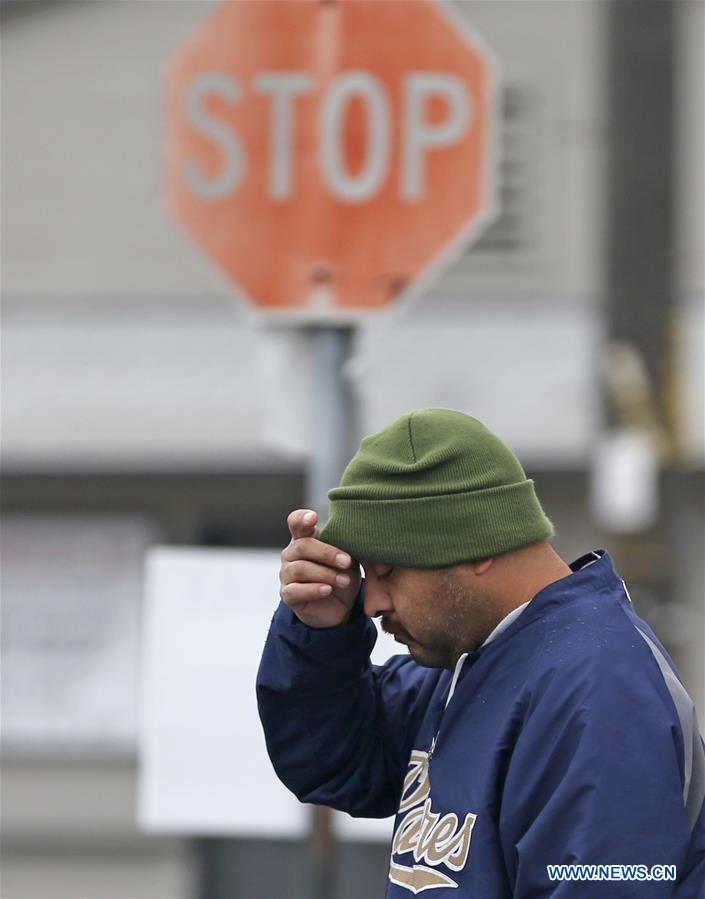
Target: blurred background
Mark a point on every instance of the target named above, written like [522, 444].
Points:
[142, 404]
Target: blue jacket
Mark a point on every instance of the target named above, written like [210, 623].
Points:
[567, 739]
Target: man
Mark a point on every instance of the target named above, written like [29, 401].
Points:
[536, 720]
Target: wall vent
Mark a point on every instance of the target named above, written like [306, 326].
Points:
[511, 231]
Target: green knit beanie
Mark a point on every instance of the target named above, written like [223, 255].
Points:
[434, 488]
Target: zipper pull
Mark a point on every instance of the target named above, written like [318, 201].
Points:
[433, 747]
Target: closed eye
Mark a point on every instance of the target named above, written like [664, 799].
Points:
[379, 572]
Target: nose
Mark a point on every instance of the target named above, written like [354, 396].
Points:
[377, 599]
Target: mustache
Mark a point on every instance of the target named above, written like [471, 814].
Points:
[387, 627]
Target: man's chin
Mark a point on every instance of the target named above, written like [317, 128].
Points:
[424, 657]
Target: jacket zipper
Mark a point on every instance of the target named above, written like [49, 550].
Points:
[453, 684]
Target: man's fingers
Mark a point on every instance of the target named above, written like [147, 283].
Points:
[302, 523]
[295, 593]
[312, 550]
[305, 572]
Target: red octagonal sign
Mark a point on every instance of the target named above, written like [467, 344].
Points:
[330, 155]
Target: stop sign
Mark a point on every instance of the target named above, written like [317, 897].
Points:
[344, 143]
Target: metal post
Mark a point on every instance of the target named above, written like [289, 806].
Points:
[334, 439]
[640, 264]
[335, 428]
[640, 177]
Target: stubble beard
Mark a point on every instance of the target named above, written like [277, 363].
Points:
[454, 623]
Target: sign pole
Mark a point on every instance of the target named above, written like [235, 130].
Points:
[335, 425]
[334, 439]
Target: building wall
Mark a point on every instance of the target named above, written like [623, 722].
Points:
[69, 831]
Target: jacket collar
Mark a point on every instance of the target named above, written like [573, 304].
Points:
[589, 574]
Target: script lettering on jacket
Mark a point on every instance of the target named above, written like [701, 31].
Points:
[431, 838]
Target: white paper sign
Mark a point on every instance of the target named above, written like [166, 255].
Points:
[71, 596]
[624, 483]
[204, 768]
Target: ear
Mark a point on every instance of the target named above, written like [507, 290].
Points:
[480, 566]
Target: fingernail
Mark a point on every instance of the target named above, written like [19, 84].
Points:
[342, 579]
[342, 560]
[325, 589]
[308, 517]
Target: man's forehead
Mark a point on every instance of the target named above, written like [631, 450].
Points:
[381, 567]
[376, 566]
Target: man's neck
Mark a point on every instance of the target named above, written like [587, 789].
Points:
[528, 576]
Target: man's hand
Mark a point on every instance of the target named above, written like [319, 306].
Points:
[319, 583]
